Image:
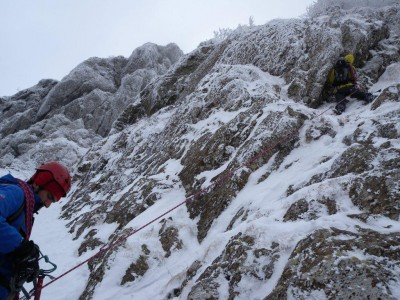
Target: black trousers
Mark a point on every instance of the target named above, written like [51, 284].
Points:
[355, 93]
[341, 94]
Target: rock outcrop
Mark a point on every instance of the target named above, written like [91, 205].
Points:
[80, 109]
[225, 175]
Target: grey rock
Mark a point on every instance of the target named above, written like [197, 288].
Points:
[232, 116]
[327, 261]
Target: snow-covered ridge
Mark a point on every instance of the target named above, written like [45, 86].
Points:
[316, 218]
[77, 111]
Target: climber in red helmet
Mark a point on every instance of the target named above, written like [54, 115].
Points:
[19, 200]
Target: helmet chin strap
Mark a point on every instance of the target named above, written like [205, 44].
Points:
[37, 189]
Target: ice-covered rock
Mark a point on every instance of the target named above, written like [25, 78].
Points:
[226, 176]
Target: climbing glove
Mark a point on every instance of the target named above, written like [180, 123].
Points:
[26, 264]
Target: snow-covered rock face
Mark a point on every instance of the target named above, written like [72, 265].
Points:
[271, 195]
[252, 223]
[78, 110]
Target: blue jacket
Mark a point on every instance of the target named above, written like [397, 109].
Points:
[11, 199]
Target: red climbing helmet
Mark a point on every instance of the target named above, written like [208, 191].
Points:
[53, 177]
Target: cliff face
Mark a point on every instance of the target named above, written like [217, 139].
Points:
[283, 199]
[304, 218]
[77, 111]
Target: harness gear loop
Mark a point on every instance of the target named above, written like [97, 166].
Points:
[38, 284]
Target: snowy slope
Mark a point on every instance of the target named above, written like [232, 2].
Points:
[313, 216]
[265, 201]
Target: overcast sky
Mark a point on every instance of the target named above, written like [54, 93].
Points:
[48, 38]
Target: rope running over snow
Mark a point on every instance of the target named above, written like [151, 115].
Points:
[219, 181]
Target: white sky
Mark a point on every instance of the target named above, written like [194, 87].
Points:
[48, 38]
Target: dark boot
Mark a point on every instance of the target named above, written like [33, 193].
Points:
[369, 98]
[340, 108]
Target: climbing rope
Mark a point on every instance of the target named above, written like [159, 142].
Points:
[29, 206]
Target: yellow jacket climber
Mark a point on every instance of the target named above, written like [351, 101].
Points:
[343, 78]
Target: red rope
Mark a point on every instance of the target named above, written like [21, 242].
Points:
[118, 242]
[29, 206]
[218, 181]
